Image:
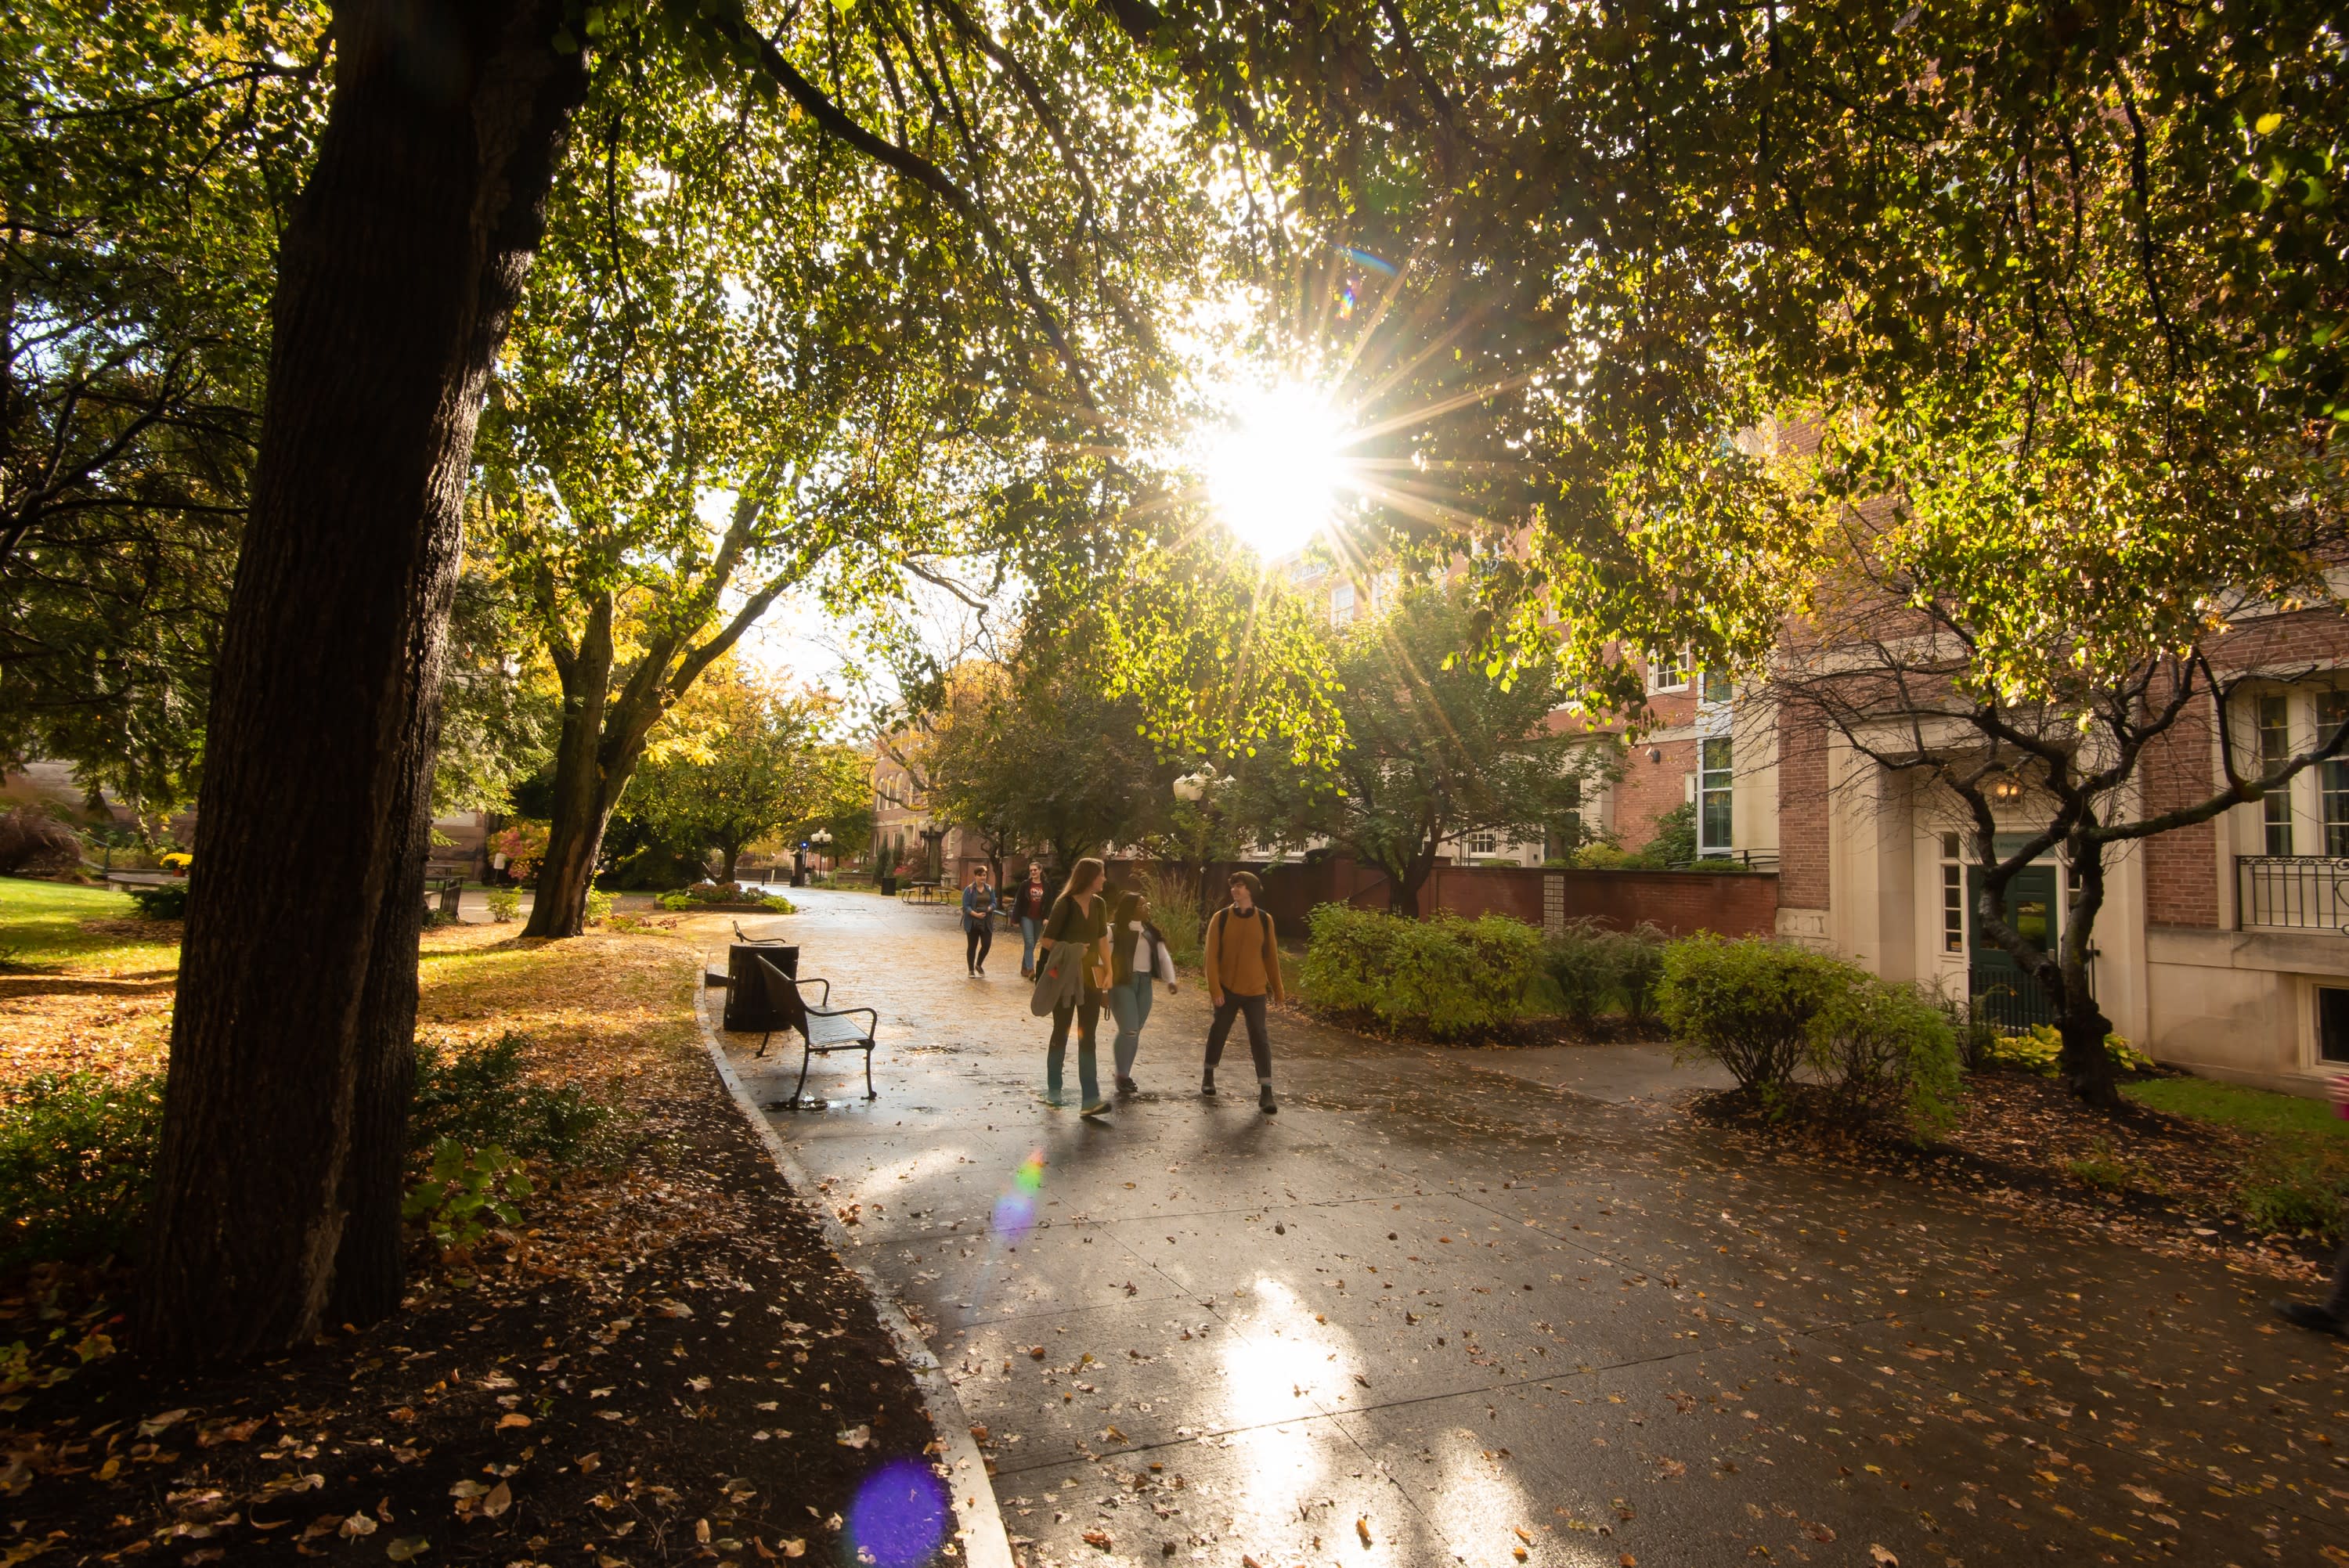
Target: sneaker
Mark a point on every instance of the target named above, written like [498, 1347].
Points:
[1264, 1100]
[2309, 1315]
[1207, 1084]
[1127, 1086]
[1054, 1100]
[1099, 1107]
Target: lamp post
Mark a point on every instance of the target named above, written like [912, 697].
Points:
[934, 836]
[821, 840]
[1196, 789]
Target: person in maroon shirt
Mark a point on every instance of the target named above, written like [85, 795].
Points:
[1030, 905]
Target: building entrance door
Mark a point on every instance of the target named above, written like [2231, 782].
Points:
[2003, 996]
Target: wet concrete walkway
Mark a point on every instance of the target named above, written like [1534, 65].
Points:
[1493, 1307]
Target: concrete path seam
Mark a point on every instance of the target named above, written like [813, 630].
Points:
[978, 1519]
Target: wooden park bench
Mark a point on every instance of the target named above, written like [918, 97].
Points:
[821, 1028]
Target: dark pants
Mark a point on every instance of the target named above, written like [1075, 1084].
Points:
[2337, 1303]
[1260, 1046]
[1086, 1015]
[978, 937]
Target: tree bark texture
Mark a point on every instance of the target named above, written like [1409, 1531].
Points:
[586, 784]
[285, 1108]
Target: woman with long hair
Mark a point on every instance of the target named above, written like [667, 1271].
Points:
[1079, 916]
[1029, 906]
[1138, 958]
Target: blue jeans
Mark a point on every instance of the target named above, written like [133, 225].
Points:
[1030, 930]
[1129, 1004]
[1086, 1016]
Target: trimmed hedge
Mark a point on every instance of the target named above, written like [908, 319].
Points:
[1597, 969]
[1447, 978]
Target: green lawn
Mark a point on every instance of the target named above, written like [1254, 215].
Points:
[40, 925]
[2255, 1111]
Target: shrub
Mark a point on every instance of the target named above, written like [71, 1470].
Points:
[33, 842]
[1174, 910]
[2041, 1051]
[726, 895]
[599, 906]
[1886, 1048]
[77, 1154]
[484, 1096]
[164, 901]
[2294, 1189]
[461, 1186]
[1748, 1003]
[1674, 846]
[505, 904]
[1583, 963]
[1640, 972]
[1446, 977]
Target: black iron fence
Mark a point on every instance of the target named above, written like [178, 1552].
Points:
[2008, 1000]
[2292, 892]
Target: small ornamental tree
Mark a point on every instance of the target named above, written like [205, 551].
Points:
[1438, 745]
[747, 762]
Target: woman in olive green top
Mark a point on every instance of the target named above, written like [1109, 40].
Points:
[1079, 915]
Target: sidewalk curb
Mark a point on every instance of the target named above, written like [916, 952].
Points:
[979, 1520]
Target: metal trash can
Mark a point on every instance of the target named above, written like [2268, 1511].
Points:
[745, 990]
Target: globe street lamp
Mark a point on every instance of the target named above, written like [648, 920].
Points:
[821, 840]
[1196, 789]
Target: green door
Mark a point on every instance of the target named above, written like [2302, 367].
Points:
[2004, 995]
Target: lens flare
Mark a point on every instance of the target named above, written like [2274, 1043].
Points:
[899, 1517]
[1275, 471]
[1015, 1212]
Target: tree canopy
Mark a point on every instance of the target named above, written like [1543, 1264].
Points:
[1437, 748]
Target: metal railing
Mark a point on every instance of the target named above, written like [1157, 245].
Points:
[2292, 892]
[2008, 1000]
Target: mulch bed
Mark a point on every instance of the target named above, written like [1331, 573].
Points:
[666, 1364]
[2168, 1181]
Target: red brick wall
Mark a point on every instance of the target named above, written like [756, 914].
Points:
[1649, 789]
[1472, 891]
[1802, 809]
[1732, 903]
[2181, 882]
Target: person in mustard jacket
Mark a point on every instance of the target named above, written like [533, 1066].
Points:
[1243, 974]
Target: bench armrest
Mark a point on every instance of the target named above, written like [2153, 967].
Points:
[826, 999]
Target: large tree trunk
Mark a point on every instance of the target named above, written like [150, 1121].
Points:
[584, 792]
[284, 1114]
[1407, 883]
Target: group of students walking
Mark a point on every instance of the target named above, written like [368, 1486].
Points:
[1094, 946]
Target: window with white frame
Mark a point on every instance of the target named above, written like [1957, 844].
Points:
[2332, 1026]
[1953, 896]
[1669, 671]
[1714, 776]
[2333, 778]
[2274, 727]
[1485, 843]
[2274, 720]
[1341, 604]
[1717, 685]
